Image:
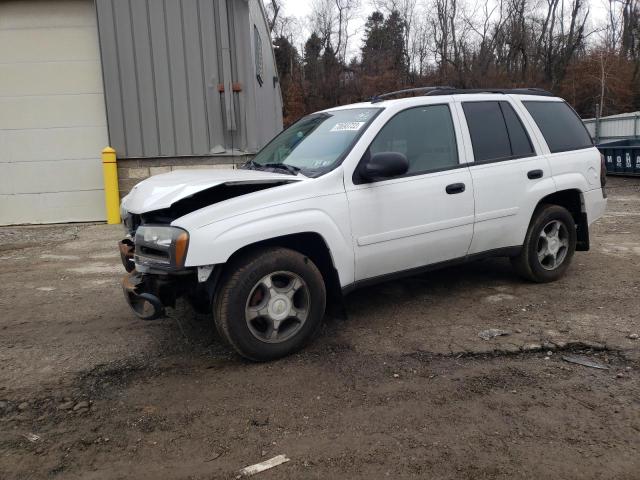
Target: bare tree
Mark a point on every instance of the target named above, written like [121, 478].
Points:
[420, 44]
[545, 43]
[332, 20]
[630, 38]
[273, 10]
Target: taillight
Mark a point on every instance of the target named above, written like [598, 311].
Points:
[603, 175]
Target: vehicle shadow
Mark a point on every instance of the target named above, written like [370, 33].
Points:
[448, 284]
[188, 333]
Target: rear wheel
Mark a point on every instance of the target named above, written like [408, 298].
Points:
[270, 303]
[549, 245]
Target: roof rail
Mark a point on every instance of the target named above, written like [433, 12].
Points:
[423, 90]
[504, 91]
[446, 90]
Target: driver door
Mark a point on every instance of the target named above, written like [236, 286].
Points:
[422, 217]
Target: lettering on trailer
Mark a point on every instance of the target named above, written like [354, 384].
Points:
[628, 160]
[618, 161]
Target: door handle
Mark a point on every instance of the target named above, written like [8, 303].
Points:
[533, 174]
[455, 188]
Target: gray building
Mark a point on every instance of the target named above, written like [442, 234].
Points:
[168, 83]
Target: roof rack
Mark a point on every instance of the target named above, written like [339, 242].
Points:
[422, 90]
[445, 90]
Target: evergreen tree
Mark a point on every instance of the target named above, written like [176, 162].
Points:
[287, 57]
[312, 52]
[383, 53]
[394, 27]
[331, 70]
[374, 44]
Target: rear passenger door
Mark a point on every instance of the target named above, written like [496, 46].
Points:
[508, 176]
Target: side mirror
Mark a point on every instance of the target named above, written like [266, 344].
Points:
[384, 165]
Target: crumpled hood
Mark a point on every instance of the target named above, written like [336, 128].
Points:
[161, 191]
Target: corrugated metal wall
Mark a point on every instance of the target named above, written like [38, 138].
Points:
[615, 127]
[162, 63]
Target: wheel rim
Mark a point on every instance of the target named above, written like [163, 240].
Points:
[553, 245]
[277, 307]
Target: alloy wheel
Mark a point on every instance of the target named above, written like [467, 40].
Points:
[553, 245]
[277, 307]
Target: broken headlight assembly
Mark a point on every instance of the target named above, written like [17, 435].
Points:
[161, 246]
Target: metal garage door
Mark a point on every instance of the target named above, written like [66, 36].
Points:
[52, 114]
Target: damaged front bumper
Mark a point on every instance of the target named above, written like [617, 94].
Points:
[154, 258]
[127, 251]
[138, 293]
[148, 294]
[151, 287]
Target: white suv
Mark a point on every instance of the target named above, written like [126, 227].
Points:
[359, 194]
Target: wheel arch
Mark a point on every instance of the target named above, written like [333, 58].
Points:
[310, 244]
[573, 200]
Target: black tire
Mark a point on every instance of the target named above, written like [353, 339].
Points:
[240, 281]
[527, 264]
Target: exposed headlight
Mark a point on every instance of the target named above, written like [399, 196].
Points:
[161, 246]
[159, 235]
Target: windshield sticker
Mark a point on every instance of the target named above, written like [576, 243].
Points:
[347, 126]
[364, 115]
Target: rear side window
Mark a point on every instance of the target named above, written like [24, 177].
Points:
[496, 131]
[560, 125]
[520, 143]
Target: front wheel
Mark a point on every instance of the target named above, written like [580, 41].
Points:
[549, 245]
[270, 303]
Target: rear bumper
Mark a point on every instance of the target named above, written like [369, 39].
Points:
[595, 204]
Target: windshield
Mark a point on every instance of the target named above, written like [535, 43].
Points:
[316, 143]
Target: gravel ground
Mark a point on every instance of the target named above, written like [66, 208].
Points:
[403, 387]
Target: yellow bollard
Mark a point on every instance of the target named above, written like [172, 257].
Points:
[111, 192]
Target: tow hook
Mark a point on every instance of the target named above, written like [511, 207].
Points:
[127, 249]
[145, 305]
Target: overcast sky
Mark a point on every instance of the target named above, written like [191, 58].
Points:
[302, 8]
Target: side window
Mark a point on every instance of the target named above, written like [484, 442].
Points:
[424, 134]
[561, 127]
[496, 131]
[488, 131]
[520, 143]
[257, 45]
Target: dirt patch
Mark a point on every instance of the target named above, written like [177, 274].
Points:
[361, 417]
[404, 387]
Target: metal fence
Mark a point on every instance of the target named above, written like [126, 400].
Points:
[625, 126]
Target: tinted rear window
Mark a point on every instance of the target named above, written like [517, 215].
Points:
[496, 131]
[488, 131]
[560, 125]
[520, 143]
